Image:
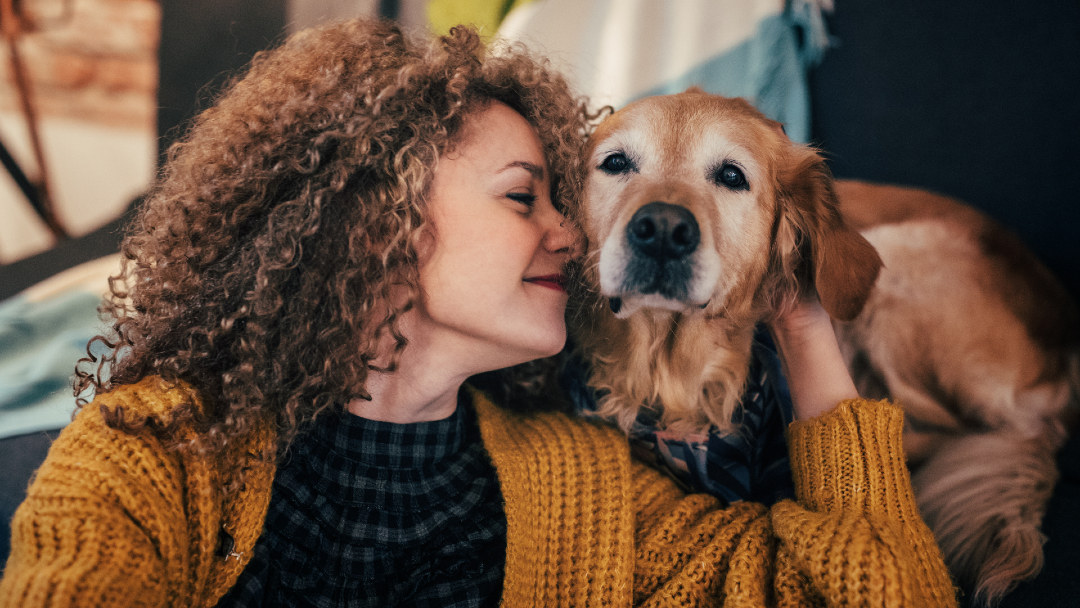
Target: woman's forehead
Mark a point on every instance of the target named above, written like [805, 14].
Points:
[500, 135]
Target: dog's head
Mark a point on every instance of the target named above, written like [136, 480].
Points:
[696, 202]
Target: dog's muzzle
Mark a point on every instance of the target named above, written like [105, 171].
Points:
[662, 239]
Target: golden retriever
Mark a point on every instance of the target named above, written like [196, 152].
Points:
[703, 220]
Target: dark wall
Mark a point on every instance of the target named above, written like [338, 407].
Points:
[977, 100]
[203, 42]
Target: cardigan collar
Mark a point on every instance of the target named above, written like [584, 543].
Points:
[570, 525]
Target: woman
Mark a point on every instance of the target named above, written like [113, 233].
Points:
[357, 227]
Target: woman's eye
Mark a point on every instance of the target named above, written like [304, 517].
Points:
[731, 176]
[522, 197]
[616, 164]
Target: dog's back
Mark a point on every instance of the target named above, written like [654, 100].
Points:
[978, 341]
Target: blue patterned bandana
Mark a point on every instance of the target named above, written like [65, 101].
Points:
[749, 463]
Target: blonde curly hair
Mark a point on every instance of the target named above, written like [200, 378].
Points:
[260, 268]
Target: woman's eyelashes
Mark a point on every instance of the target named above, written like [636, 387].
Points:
[525, 198]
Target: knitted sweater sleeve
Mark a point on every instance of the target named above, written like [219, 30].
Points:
[103, 521]
[853, 537]
[856, 529]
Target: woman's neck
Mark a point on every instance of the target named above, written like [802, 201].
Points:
[404, 397]
[424, 385]
[429, 373]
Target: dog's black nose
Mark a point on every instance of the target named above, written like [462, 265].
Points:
[661, 230]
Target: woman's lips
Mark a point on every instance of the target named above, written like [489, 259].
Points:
[551, 281]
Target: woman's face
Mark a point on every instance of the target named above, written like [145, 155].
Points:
[492, 274]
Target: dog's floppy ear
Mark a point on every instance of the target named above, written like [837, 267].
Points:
[815, 248]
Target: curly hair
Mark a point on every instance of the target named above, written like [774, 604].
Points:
[260, 267]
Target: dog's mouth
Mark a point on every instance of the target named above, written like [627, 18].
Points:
[625, 305]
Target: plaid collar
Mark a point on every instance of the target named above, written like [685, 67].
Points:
[390, 466]
[375, 443]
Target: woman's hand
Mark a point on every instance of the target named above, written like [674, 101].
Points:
[815, 370]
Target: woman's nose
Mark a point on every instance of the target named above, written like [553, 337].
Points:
[563, 236]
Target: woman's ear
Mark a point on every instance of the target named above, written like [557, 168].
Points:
[425, 241]
[817, 250]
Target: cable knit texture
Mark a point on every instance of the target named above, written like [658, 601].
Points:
[116, 520]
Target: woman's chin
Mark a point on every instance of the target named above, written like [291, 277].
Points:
[547, 347]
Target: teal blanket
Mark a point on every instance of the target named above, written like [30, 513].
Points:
[43, 332]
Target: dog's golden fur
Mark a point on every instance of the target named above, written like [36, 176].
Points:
[964, 327]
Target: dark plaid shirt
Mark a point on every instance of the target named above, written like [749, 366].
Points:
[368, 513]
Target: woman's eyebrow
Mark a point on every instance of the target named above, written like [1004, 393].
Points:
[536, 170]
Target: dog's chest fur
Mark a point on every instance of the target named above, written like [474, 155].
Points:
[746, 461]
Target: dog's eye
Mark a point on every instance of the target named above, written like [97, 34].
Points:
[731, 176]
[616, 164]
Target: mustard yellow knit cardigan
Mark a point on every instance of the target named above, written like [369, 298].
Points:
[115, 520]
